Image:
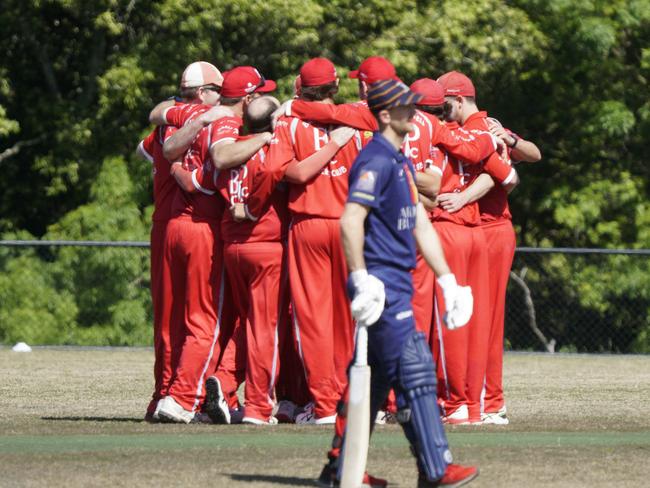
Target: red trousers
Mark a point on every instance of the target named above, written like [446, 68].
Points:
[292, 384]
[231, 370]
[321, 309]
[500, 238]
[423, 292]
[161, 301]
[193, 251]
[258, 278]
[462, 353]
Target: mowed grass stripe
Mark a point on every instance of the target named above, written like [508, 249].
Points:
[284, 440]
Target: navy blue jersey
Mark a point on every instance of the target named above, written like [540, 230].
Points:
[383, 179]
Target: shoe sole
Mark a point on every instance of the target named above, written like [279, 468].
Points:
[168, 418]
[213, 397]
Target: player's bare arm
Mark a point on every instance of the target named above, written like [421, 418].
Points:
[526, 151]
[182, 176]
[142, 154]
[428, 183]
[353, 234]
[157, 115]
[228, 154]
[521, 150]
[182, 139]
[453, 202]
[304, 170]
[428, 203]
[429, 244]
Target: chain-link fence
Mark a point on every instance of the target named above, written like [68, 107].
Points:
[97, 293]
[579, 300]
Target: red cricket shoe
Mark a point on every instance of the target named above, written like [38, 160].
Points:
[455, 475]
[370, 481]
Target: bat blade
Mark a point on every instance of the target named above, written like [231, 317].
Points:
[357, 432]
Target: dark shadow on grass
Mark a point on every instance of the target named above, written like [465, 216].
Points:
[96, 419]
[269, 478]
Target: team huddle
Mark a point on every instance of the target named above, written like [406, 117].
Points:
[264, 215]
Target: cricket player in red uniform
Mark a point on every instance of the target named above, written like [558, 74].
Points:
[460, 94]
[254, 260]
[194, 251]
[254, 255]
[198, 84]
[317, 270]
[519, 149]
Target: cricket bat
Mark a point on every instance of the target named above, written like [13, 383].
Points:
[357, 432]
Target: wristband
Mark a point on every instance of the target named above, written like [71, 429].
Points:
[447, 281]
[514, 144]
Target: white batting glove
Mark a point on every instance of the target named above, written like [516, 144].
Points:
[369, 298]
[459, 301]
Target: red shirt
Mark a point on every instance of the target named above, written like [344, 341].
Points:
[454, 179]
[418, 145]
[233, 185]
[164, 185]
[202, 204]
[324, 195]
[494, 205]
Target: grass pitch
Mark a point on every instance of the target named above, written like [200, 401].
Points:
[72, 417]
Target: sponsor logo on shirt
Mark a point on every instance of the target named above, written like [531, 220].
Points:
[367, 181]
[406, 219]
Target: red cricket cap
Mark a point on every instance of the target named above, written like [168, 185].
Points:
[431, 90]
[457, 84]
[317, 71]
[373, 69]
[244, 80]
[201, 73]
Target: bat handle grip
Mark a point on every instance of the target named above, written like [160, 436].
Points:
[361, 358]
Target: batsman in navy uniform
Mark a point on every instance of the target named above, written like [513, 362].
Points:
[381, 225]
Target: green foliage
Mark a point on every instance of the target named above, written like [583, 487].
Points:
[32, 308]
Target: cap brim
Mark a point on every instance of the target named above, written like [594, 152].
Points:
[269, 86]
[427, 100]
[353, 74]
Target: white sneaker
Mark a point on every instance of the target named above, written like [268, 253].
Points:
[325, 420]
[459, 416]
[380, 419]
[215, 403]
[307, 415]
[171, 411]
[496, 418]
[253, 421]
[156, 412]
[286, 412]
[385, 417]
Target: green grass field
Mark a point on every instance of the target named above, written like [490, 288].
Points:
[71, 417]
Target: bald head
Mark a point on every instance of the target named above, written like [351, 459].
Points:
[258, 113]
